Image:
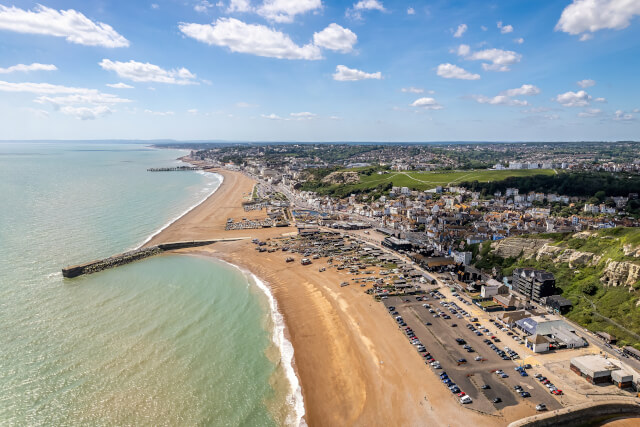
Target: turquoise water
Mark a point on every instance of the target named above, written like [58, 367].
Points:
[171, 340]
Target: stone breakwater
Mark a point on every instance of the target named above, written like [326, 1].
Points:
[581, 414]
[131, 256]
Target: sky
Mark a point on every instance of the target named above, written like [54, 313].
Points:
[320, 70]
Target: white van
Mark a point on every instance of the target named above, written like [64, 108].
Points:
[465, 399]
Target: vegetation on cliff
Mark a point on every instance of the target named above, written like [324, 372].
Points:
[597, 305]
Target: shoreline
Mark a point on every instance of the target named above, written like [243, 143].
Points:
[279, 339]
[189, 209]
[353, 366]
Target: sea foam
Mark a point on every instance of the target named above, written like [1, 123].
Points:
[294, 398]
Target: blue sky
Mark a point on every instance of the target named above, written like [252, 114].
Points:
[319, 70]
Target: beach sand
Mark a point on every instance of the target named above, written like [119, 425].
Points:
[354, 366]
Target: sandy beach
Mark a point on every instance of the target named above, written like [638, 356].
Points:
[354, 366]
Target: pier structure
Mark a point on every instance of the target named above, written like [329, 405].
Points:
[175, 169]
[134, 255]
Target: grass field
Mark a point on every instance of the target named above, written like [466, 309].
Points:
[428, 180]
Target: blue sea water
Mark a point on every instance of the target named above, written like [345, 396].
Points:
[171, 340]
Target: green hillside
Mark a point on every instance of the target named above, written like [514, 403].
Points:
[371, 180]
[596, 307]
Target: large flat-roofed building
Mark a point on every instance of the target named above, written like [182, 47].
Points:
[396, 244]
[535, 284]
[595, 369]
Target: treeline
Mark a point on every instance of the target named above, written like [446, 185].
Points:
[579, 184]
[341, 191]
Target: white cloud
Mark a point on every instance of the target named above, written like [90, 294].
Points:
[483, 28]
[500, 59]
[345, 74]
[464, 50]
[589, 16]
[286, 10]
[159, 113]
[335, 37]
[203, 6]
[524, 90]
[460, 31]
[146, 72]
[239, 6]
[369, 5]
[82, 103]
[622, 116]
[304, 115]
[519, 41]
[504, 29]
[411, 11]
[450, 71]
[636, 110]
[603, 100]
[193, 111]
[585, 37]
[356, 10]
[249, 38]
[427, 104]
[119, 86]
[155, 6]
[86, 113]
[574, 99]
[500, 100]
[41, 88]
[590, 112]
[70, 24]
[271, 116]
[586, 83]
[412, 89]
[93, 98]
[25, 68]
[506, 97]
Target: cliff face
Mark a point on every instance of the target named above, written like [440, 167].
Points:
[614, 273]
[514, 247]
[570, 256]
[620, 273]
[342, 178]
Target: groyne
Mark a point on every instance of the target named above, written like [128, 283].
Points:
[582, 414]
[134, 255]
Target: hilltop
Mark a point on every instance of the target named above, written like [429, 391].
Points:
[599, 271]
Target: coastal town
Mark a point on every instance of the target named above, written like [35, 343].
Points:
[495, 341]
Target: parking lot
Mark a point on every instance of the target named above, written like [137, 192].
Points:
[470, 363]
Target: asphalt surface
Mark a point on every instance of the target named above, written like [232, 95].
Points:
[439, 340]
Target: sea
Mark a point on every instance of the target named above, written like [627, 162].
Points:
[170, 340]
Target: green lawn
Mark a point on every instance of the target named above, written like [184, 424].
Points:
[428, 180]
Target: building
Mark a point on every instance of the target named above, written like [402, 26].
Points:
[537, 343]
[534, 284]
[594, 368]
[492, 288]
[396, 244]
[462, 257]
[558, 304]
[622, 379]
[606, 337]
[559, 332]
